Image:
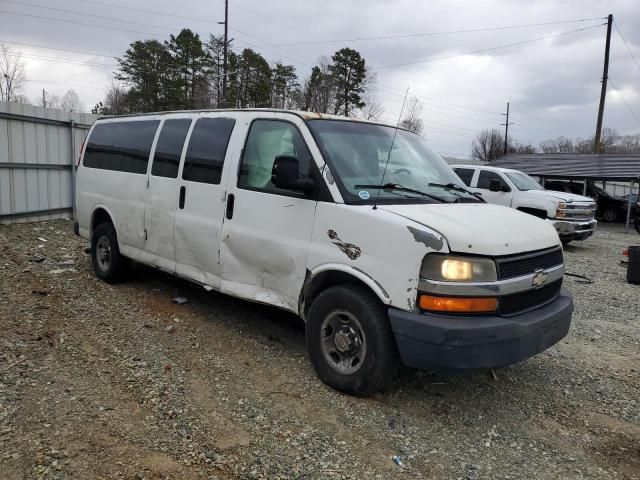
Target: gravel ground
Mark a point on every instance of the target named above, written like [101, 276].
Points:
[100, 381]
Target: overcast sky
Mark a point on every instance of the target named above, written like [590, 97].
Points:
[553, 84]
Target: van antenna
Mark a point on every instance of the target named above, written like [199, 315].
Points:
[395, 132]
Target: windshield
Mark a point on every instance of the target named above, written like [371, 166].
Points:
[523, 182]
[357, 154]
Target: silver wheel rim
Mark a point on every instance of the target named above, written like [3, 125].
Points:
[103, 254]
[343, 342]
[609, 215]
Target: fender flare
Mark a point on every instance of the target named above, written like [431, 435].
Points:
[355, 272]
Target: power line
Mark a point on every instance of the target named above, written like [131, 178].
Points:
[79, 23]
[626, 44]
[624, 101]
[447, 104]
[451, 32]
[513, 44]
[101, 17]
[84, 52]
[141, 10]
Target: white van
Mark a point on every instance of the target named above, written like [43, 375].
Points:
[360, 229]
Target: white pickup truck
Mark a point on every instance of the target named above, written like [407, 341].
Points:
[571, 215]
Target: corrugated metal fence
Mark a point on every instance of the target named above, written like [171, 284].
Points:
[38, 148]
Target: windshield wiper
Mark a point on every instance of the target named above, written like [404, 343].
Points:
[456, 188]
[401, 188]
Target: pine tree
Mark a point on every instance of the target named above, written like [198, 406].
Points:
[349, 73]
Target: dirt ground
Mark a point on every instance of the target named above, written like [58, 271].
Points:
[119, 382]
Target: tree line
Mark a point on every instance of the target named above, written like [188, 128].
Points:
[488, 144]
[185, 72]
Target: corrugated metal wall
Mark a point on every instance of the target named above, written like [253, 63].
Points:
[38, 147]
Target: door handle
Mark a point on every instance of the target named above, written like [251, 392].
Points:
[183, 192]
[231, 199]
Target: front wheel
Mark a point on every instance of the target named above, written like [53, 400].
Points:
[349, 340]
[637, 224]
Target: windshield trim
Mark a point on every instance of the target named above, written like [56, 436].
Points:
[341, 186]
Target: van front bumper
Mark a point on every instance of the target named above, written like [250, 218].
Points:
[574, 229]
[431, 341]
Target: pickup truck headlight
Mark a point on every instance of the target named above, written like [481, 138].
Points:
[458, 269]
[560, 210]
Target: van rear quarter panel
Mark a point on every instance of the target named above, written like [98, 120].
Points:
[383, 249]
[123, 195]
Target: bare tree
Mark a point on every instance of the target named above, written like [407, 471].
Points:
[372, 109]
[71, 102]
[115, 100]
[487, 145]
[557, 145]
[412, 119]
[48, 100]
[12, 76]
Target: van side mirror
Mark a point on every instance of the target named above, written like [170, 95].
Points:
[495, 185]
[286, 174]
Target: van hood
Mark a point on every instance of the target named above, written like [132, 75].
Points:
[563, 196]
[481, 228]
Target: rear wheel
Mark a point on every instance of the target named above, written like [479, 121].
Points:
[637, 224]
[108, 264]
[349, 340]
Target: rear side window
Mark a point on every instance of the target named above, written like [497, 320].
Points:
[166, 158]
[207, 149]
[465, 174]
[121, 146]
[485, 178]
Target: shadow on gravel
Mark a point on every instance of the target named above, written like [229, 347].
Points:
[271, 325]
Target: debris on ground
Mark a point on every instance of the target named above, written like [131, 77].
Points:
[93, 386]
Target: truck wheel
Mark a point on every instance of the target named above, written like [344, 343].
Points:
[349, 340]
[610, 215]
[107, 262]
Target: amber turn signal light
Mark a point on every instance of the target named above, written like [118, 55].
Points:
[458, 304]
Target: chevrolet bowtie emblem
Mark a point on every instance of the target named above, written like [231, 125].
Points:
[539, 279]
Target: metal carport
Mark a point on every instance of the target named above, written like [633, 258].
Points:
[577, 166]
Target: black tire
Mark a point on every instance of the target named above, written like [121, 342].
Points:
[379, 361]
[610, 215]
[637, 224]
[114, 268]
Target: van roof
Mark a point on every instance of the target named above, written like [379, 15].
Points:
[300, 113]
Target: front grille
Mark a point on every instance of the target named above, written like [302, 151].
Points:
[518, 302]
[527, 264]
[579, 212]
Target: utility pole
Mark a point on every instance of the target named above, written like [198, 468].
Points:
[506, 129]
[226, 46]
[603, 92]
[44, 98]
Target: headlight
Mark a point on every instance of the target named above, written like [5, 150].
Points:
[560, 211]
[458, 269]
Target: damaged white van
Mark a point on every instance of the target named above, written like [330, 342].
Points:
[359, 228]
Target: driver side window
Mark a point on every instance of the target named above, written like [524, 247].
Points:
[268, 139]
[484, 180]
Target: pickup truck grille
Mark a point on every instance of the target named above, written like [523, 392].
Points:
[579, 212]
[519, 302]
[521, 265]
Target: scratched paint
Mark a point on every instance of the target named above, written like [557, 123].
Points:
[428, 239]
[349, 249]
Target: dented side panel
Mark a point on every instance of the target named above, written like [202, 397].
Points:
[380, 248]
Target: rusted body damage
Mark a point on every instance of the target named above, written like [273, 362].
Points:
[387, 257]
[350, 250]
